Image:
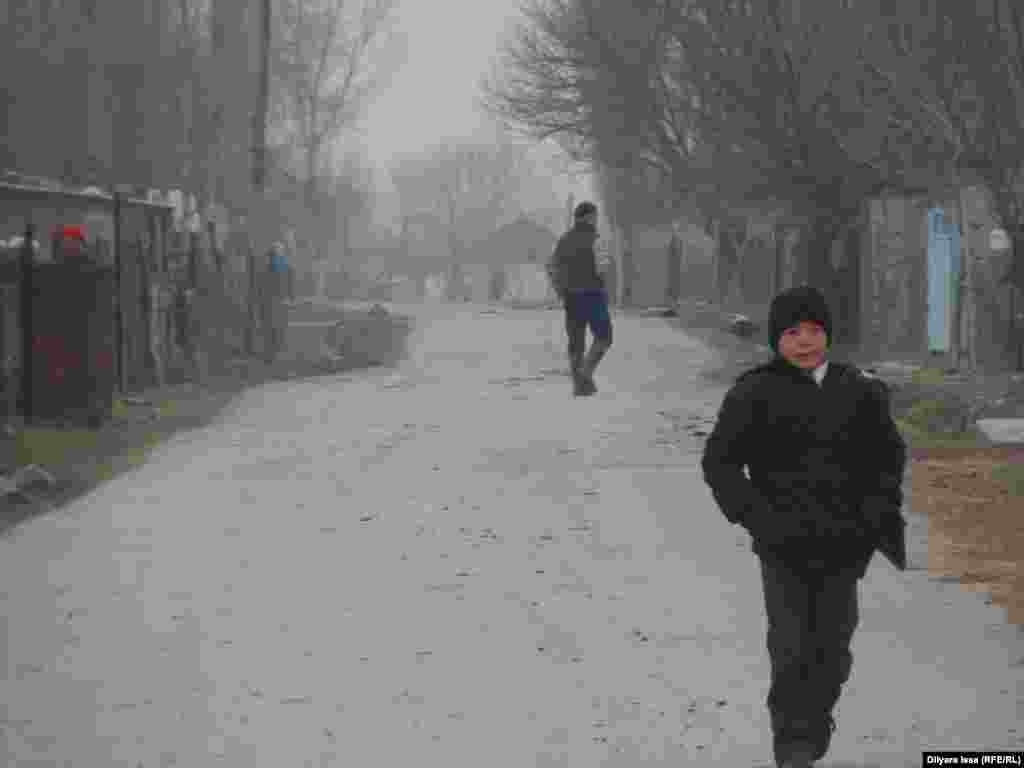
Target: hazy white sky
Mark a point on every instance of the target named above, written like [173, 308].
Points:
[448, 46]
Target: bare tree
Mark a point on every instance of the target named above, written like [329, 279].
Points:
[744, 105]
[472, 187]
[964, 67]
[324, 71]
[350, 187]
[110, 94]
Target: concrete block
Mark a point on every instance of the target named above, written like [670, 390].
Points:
[1004, 431]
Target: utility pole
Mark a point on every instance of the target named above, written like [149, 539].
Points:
[260, 168]
[259, 119]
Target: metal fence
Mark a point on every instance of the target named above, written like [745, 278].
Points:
[56, 311]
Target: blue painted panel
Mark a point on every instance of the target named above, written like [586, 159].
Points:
[940, 280]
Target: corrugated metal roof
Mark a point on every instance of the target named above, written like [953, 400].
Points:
[31, 191]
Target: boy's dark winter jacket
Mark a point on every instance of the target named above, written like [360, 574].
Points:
[825, 464]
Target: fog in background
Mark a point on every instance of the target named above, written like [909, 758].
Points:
[445, 47]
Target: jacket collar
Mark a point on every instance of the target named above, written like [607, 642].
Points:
[780, 365]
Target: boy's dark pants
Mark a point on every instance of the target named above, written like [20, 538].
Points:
[812, 616]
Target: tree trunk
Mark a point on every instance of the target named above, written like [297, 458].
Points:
[628, 266]
[815, 268]
[778, 276]
[1015, 283]
[730, 241]
[850, 285]
[346, 241]
[311, 178]
[815, 252]
[1015, 271]
[675, 270]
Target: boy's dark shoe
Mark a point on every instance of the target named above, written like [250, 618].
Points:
[790, 736]
[596, 353]
[799, 755]
[823, 738]
[807, 742]
[582, 386]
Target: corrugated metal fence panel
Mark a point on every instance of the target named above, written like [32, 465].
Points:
[73, 360]
[942, 262]
[135, 315]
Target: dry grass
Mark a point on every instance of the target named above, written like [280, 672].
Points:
[974, 498]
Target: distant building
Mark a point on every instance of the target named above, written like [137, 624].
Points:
[522, 241]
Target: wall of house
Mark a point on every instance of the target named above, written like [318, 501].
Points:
[747, 285]
[527, 284]
[887, 304]
[648, 286]
[698, 266]
[986, 323]
[477, 279]
[894, 279]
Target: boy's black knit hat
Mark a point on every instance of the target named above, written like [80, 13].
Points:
[584, 209]
[796, 305]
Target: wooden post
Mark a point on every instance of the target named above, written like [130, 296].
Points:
[119, 304]
[259, 119]
[1011, 325]
[955, 343]
[26, 283]
[866, 274]
[250, 264]
[966, 288]
[260, 170]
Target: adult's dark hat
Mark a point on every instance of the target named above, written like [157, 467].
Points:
[794, 306]
[584, 209]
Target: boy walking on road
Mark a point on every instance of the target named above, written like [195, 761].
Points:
[822, 491]
[574, 274]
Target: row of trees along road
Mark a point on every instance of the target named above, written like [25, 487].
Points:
[166, 93]
[803, 108]
[471, 187]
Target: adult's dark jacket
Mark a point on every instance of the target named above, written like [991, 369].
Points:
[823, 486]
[573, 264]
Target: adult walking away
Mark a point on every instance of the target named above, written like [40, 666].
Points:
[822, 491]
[574, 274]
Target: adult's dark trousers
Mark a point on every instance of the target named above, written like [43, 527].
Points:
[812, 615]
[586, 309]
